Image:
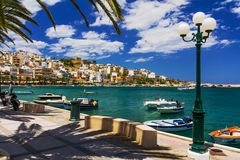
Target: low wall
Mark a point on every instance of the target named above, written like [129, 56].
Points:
[169, 134]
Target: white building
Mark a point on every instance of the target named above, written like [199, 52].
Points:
[131, 72]
[152, 75]
[95, 77]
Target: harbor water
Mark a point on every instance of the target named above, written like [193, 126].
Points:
[222, 105]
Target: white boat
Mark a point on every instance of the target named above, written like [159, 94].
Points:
[160, 103]
[85, 103]
[186, 88]
[55, 101]
[23, 92]
[171, 109]
[171, 125]
[50, 96]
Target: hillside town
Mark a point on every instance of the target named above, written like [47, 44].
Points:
[24, 67]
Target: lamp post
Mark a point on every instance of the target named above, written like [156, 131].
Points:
[204, 27]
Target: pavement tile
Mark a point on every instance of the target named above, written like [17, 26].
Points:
[29, 157]
[64, 153]
[44, 143]
[104, 148]
[13, 149]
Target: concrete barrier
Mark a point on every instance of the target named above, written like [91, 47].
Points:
[33, 107]
[120, 126]
[86, 121]
[100, 123]
[146, 136]
[131, 130]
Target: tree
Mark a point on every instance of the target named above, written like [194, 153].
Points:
[12, 12]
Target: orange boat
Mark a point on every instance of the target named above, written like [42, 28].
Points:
[229, 135]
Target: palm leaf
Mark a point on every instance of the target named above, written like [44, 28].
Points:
[116, 9]
[44, 7]
[94, 4]
[80, 12]
[2, 34]
[110, 16]
[18, 32]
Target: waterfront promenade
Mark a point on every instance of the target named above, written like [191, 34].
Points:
[51, 135]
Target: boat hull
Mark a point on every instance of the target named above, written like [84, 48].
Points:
[66, 105]
[173, 129]
[170, 111]
[220, 140]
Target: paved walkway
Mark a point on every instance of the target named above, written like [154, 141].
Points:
[51, 135]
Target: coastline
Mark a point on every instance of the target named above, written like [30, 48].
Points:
[132, 86]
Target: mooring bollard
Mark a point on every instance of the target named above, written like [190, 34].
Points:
[75, 110]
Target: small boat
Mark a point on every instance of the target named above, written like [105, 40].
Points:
[23, 92]
[171, 125]
[171, 109]
[158, 102]
[85, 92]
[50, 96]
[185, 88]
[229, 135]
[58, 102]
[85, 103]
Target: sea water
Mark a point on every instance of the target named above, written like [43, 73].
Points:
[221, 105]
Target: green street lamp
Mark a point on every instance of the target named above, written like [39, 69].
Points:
[204, 27]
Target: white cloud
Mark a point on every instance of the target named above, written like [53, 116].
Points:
[93, 35]
[156, 28]
[140, 60]
[62, 31]
[236, 3]
[226, 42]
[91, 46]
[236, 10]
[138, 18]
[34, 7]
[20, 44]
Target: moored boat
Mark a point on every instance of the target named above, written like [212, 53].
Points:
[23, 92]
[171, 125]
[50, 96]
[229, 135]
[58, 102]
[185, 88]
[158, 102]
[85, 103]
[171, 109]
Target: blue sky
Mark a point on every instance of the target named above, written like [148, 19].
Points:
[149, 38]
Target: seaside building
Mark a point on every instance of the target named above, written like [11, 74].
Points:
[152, 75]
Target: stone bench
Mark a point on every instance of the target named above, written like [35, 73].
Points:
[131, 130]
[120, 126]
[99, 123]
[33, 107]
[146, 136]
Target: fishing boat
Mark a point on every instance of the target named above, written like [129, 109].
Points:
[49, 96]
[185, 88]
[85, 103]
[58, 102]
[87, 92]
[62, 101]
[158, 103]
[171, 109]
[23, 92]
[229, 135]
[171, 125]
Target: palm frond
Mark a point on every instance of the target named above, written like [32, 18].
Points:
[94, 4]
[110, 16]
[44, 7]
[117, 11]
[80, 12]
